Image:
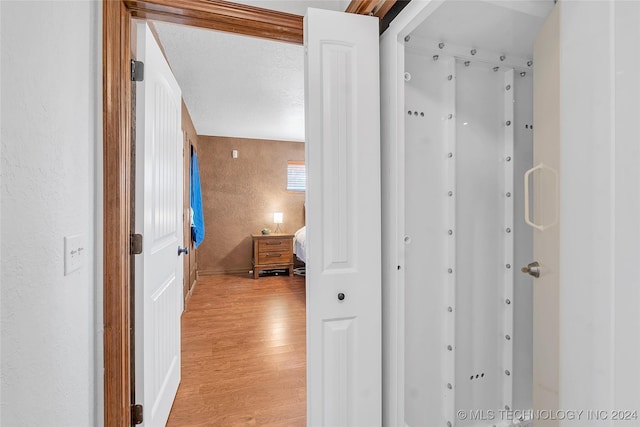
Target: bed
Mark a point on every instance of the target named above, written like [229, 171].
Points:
[300, 244]
[300, 249]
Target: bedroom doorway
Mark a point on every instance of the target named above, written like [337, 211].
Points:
[235, 329]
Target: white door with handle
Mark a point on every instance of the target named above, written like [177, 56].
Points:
[158, 217]
[343, 219]
[543, 216]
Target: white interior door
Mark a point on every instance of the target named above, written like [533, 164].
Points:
[159, 271]
[343, 218]
[544, 180]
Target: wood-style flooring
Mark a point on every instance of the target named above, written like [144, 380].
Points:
[243, 354]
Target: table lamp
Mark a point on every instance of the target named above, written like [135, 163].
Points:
[277, 220]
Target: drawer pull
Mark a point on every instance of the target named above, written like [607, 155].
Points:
[274, 243]
[341, 296]
[273, 255]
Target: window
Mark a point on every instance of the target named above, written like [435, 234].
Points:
[296, 176]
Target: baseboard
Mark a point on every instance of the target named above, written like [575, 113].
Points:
[202, 273]
[186, 300]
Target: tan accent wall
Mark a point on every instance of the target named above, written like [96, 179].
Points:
[240, 196]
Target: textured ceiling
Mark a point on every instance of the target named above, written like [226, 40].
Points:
[236, 85]
[241, 86]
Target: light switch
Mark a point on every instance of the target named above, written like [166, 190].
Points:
[74, 253]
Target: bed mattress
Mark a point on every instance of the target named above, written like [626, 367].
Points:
[300, 244]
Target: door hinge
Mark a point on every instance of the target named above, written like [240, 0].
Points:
[136, 244]
[137, 71]
[136, 414]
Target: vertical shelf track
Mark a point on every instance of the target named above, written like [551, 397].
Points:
[508, 232]
[449, 291]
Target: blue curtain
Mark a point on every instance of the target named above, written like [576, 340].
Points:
[197, 226]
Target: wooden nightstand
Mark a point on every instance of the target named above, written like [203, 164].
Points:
[272, 251]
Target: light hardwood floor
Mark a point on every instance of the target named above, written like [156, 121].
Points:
[243, 354]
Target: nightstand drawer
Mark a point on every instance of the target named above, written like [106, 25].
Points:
[270, 245]
[274, 257]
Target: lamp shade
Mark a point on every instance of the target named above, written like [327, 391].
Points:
[277, 217]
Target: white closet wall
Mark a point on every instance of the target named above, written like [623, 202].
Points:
[467, 331]
[425, 216]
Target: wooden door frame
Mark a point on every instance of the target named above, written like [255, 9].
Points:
[117, 16]
[116, 53]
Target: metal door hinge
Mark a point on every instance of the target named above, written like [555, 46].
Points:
[136, 414]
[136, 244]
[137, 71]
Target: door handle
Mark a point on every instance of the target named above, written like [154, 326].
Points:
[183, 251]
[527, 214]
[527, 217]
[533, 268]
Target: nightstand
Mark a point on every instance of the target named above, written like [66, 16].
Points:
[272, 251]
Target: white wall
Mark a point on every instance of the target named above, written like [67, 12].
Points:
[50, 113]
[600, 207]
[392, 59]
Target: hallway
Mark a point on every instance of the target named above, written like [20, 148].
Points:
[243, 354]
